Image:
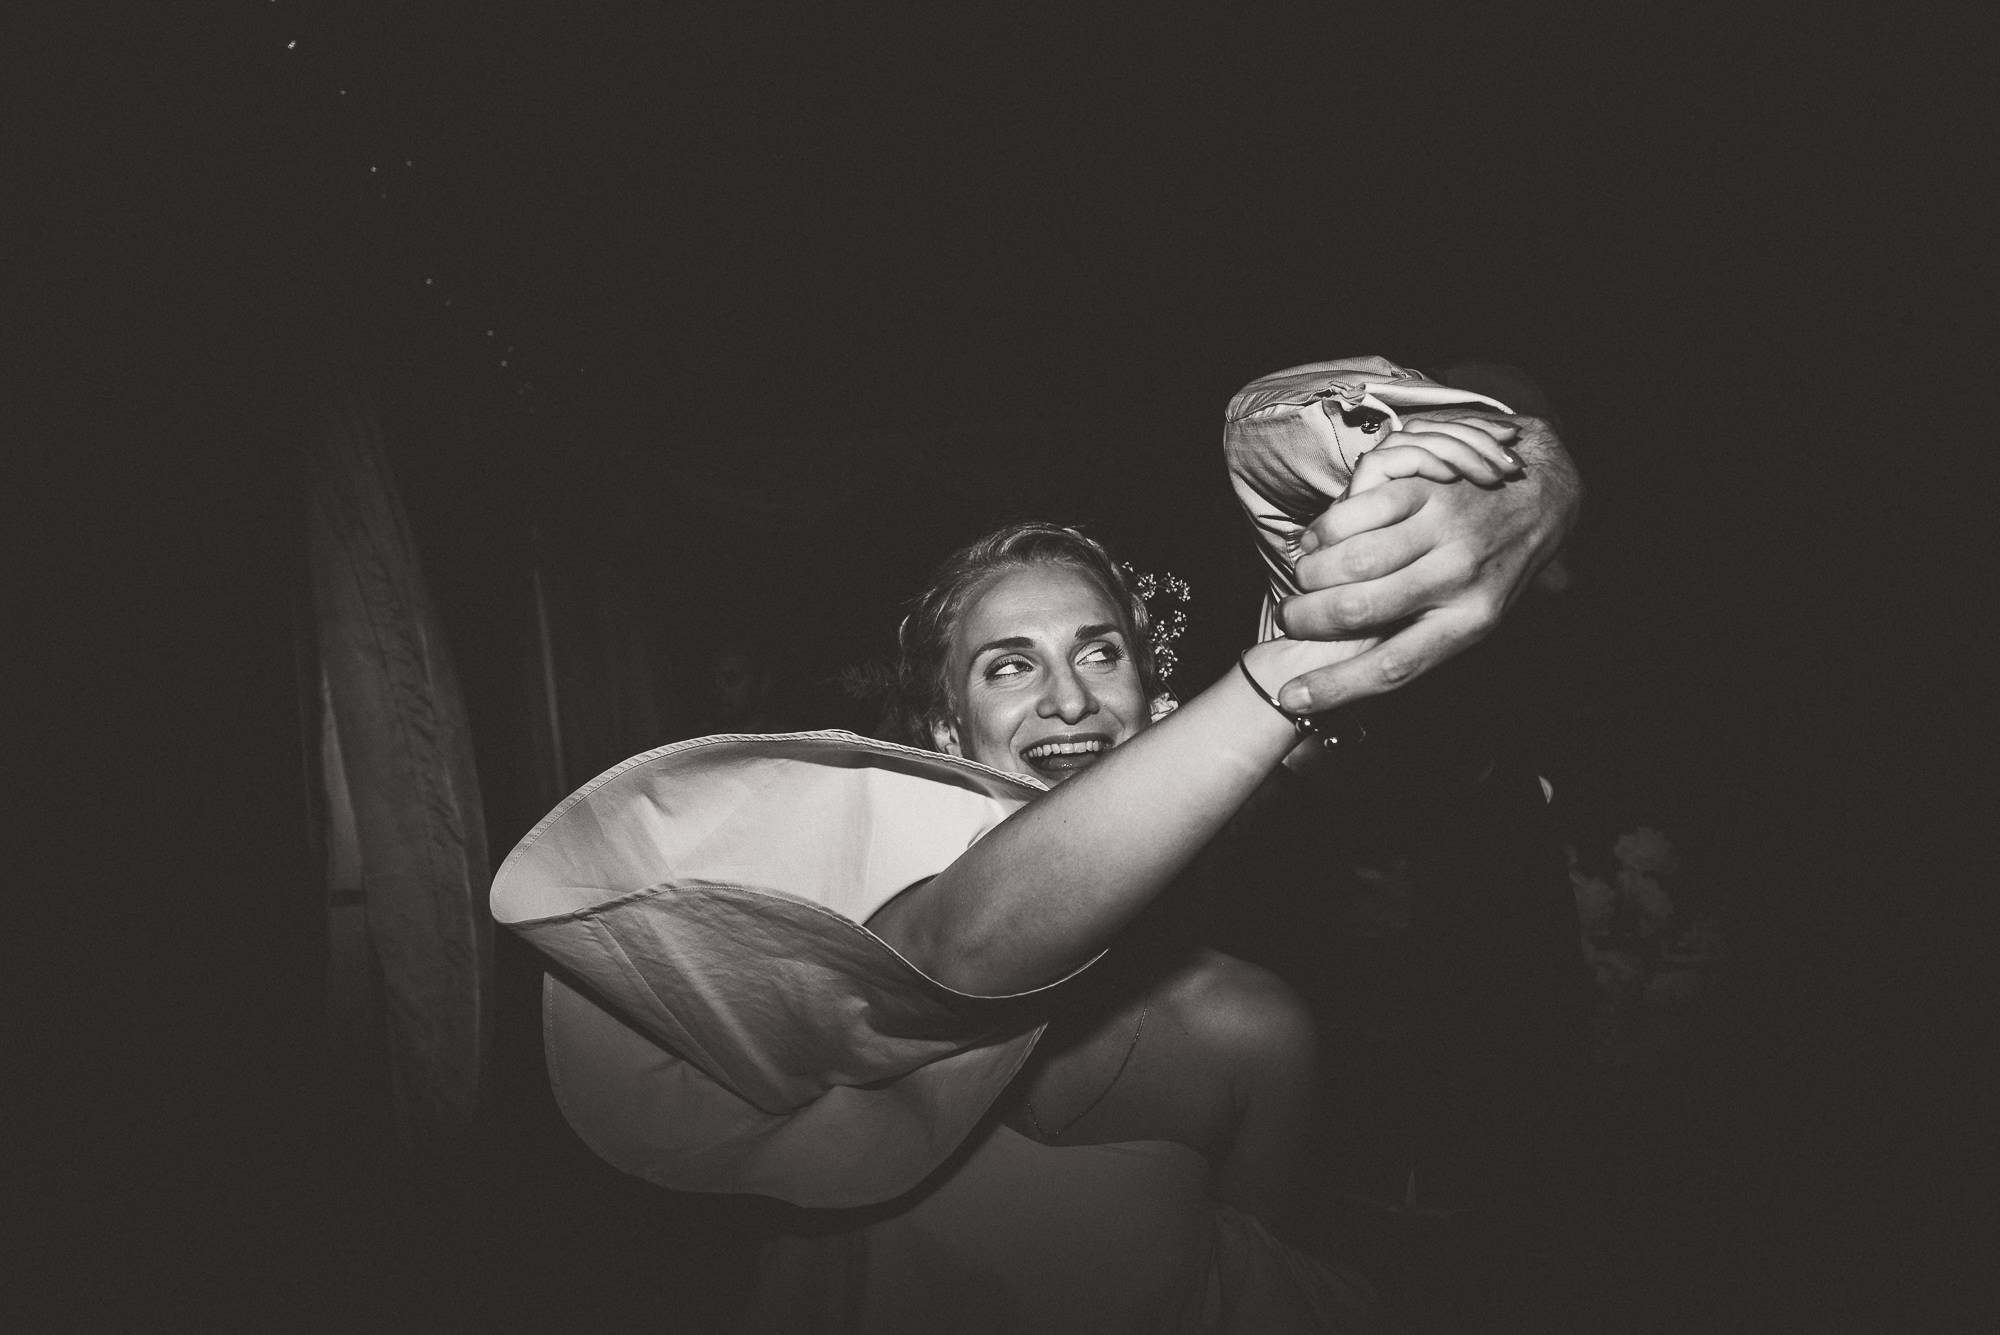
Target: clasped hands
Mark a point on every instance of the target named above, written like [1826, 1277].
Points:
[1443, 527]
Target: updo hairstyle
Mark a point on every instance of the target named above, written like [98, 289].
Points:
[923, 696]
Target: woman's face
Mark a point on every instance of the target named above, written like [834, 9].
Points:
[1043, 680]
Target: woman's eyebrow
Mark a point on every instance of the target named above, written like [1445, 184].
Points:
[1011, 642]
[1099, 628]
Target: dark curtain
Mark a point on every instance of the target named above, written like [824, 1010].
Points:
[410, 953]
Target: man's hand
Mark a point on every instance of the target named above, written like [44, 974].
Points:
[1447, 558]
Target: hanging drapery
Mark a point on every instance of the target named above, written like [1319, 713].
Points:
[406, 899]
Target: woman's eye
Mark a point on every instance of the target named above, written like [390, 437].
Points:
[1102, 653]
[1007, 667]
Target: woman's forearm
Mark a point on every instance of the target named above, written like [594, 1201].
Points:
[1049, 887]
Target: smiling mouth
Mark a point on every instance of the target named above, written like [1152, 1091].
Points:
[1063, 756]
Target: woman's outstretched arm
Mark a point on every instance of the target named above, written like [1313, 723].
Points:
[1051, 885]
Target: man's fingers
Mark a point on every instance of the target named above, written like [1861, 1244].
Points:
[1346, 610]
[1365, 556]
[1397, 661]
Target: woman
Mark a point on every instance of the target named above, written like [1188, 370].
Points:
[723, 1021]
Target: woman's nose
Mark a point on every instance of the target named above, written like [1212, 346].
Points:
[1067, 697]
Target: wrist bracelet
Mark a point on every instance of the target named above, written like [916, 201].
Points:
[1301, 722]
[1307, 725]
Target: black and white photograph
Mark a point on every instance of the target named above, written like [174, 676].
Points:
[793, 668]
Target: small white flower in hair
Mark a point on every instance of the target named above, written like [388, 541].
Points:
[1166, 628]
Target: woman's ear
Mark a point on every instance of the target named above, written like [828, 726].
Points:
[944, 736]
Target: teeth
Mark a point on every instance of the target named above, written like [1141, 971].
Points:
[1041, 749]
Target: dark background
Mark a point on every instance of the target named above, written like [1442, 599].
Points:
[791, 300]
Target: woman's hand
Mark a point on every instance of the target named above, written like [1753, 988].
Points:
[1411, 542]
[1443, 451]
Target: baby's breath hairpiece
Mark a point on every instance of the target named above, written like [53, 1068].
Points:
[1167, 626]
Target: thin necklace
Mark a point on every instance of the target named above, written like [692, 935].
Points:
[1131, 1048]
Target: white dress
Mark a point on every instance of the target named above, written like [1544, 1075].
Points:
[1018, 1237]
[721, 1021]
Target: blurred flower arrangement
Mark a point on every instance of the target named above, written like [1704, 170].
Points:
[1655, 960]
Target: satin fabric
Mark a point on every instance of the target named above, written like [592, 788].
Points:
[720, 1020]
